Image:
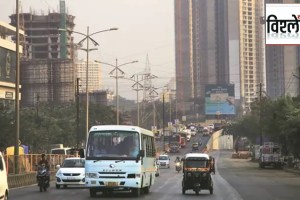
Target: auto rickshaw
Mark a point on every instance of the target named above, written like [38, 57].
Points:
[197, 168]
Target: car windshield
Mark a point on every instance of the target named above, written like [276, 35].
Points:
[163, 158]
[113, 144]
[73, 163]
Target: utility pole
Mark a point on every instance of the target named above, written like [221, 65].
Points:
[152, 95]
[260, 114]
[137, 86]
[163, 110]
[37, 107]
[77, 113]
[170, 99]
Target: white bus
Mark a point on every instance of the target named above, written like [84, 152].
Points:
[118, 158]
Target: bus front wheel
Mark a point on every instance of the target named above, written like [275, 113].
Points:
[92, 192]
[136, 192]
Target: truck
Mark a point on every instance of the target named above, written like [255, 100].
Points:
[270, 155]
[175, 142]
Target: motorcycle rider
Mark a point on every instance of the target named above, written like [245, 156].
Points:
[177, 160]
[46, 163]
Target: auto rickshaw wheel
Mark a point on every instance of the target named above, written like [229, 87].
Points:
[211, 190]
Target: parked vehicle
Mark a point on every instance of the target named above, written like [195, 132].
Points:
[270, 155]
[4, 192]
[197, 168]
[43, 177]
[71, 172]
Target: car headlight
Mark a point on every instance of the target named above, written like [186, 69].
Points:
[58, 173]
[204, 174]
[189, 174]
[91, 175]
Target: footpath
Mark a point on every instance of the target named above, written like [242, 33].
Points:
[243, 159]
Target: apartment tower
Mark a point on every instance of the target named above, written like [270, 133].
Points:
[202, 49]
[252, 50]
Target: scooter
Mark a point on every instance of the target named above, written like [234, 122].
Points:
[42, 178]
[178, 167]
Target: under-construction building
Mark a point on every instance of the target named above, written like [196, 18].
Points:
[49, 81]
[45, 38]
[47, 70]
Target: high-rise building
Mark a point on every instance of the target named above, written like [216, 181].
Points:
[95, 76]
[234, 40]
[202, 49]
[252, 50]
[184, 68]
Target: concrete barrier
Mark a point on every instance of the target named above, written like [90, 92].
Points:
[20, 180]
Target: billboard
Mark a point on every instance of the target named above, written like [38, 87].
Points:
[219, 99]
[7, 65]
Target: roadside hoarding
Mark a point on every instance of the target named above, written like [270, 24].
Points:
[7, 65]
[219, 99]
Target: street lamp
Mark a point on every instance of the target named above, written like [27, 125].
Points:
[87, 37]
[117, 69]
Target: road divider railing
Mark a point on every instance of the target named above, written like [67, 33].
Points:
[27, 163]
[24, 173]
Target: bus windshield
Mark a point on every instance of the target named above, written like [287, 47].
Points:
[110, 144]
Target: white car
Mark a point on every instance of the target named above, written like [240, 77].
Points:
[71, 172]
[193, 132]
[3, 179]
[164, 161]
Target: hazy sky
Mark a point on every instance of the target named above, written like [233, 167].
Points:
[145, 27]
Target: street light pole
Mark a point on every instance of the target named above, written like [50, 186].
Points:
[163, 110]
[17, 91]
[87, 85]
[117, 69]
[88, 37]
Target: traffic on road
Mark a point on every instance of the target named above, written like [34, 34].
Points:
[238, 179]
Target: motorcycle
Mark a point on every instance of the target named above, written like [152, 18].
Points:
[42, 178]
[178, 167]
